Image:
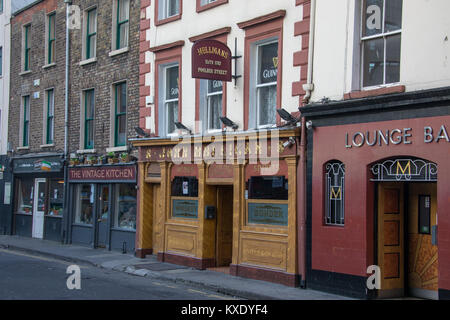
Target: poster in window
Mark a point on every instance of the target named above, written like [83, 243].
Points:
[268, 68]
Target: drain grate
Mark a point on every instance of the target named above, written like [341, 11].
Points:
[159, 266]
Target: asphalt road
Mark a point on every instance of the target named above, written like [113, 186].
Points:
[30, 277]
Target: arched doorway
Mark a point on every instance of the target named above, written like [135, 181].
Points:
[406, 223]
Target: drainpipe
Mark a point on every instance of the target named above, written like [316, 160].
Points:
[302, 214]
[66, 129]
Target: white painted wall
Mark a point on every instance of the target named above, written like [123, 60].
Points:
[425, 48]
[5, 36]
[227, 15]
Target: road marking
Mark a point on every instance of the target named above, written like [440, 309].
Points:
[38, 257]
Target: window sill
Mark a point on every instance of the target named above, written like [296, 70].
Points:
[117, 149]
[374, 92]
[49, 65]
[86, 151]
[118, 52]
[23, 148]
[167, 20]
[201, 8]
[88, 61]
[24, 73]
[47, 145]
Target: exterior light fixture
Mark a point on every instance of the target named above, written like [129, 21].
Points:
[309, 125]
[286, 116]
[289, 143]
[141, 133]
[181, 126]
[228, 123]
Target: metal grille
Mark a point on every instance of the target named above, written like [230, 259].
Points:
[335, 193]
[411, 170]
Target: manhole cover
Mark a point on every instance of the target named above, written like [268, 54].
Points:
[159, 266]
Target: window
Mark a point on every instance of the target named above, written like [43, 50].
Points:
[120, 124]
[212, 93]
[168, 9]
[26, 48]
[122, 26]
[204, 2]
[203, 5]
[25, 196]
[125, 207]
[89, 112]
[1, 6]
[56, 198]
[50, 125]
[51, 37]
[266, 83]
[25, 121]
[334, 193]
[171, 96]
[91, 34]
[84, 203]
[381, 41]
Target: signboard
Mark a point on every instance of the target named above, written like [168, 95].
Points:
[124, 174]
[185, 209]
[211, 59]
[268, 213]
[36, 165]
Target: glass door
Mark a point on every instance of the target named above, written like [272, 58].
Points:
[39, 208]
[103, 216]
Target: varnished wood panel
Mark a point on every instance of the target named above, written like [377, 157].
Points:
[391, 233]
[181, 241]
[264, 253]
[391, 201]
[391, 265]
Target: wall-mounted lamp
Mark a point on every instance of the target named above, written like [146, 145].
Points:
[309, 125]
[141, 132]
[227, 122]
[286, 116]
[181, 126]
[289, 143]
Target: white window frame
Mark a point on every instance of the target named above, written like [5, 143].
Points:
[383, 35]
[255, 87]
[163, 10]
[207, 112]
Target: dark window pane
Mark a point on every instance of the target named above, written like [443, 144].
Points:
[393, 45]
[172, 83]
[372, 23]
[215, 86]
[267, 101]
[185, 187]
[122, 98]
[172, 116]
[393, 19]
[121, 129]
[264, 187]
[268, 63]
[125, 207]
[373, 62]
[215, 111]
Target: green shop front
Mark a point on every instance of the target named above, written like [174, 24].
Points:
[38, 196]
[102, 210]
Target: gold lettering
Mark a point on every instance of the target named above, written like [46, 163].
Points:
[336, 195]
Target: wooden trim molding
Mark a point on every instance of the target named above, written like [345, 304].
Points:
[374, 92]
[167, 46]
[211, 34]
[262, 19]
[201, 8]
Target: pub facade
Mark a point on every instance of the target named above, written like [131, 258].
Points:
[378, 152]
[219, 163]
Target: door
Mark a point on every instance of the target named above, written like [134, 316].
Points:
[156, 214]
[224, 228]
[422, 250]
[391, 239]
[39, 208]
[103, 216]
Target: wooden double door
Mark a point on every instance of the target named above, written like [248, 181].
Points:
[407, 239]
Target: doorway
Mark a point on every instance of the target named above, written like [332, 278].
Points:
[103, 213]
[39, 208]
[224, 226]
[407, 239]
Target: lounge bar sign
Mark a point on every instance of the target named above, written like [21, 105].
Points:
[211, 59]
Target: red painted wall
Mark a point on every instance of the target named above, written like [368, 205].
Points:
[350, 249]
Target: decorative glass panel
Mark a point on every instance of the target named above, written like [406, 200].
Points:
[334, 193]
[405, 170]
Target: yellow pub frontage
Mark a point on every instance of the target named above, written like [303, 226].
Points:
[225, 202]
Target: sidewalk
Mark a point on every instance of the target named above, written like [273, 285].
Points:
[150, 267]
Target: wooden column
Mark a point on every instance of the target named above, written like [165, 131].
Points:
[292, 263]
[163, 214]
[144, 224]
[238, 210]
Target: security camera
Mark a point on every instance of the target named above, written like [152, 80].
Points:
[289, 143]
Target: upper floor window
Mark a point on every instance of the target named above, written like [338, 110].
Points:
[212, 96]
[265, 84]
[171, 96]
[91, 33]
[120, 125]
[122, 24]
[25, 121]
[51, 38]
[26, 47]
[208, 4]
[168, 9]
[89, 112]
[381, 41]
[50, 123]
[1, 6]
[334, 193]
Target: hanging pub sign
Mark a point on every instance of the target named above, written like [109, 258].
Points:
[211, 59]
